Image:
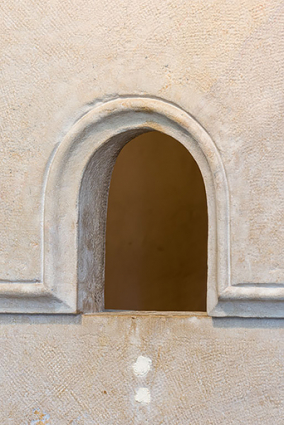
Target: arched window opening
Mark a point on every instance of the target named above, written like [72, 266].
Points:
[157, 229]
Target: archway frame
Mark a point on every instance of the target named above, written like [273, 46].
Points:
[75, 205]
[77, 192]
[76, 182]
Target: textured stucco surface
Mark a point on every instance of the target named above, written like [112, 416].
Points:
[79, 370]
[220, 61]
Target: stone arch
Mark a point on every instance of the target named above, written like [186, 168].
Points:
[76, 194]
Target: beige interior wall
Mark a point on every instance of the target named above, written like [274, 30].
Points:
[78, 370]
[223, 63]
[156, 243]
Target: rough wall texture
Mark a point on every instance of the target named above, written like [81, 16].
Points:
[221, 61]
[79, 370]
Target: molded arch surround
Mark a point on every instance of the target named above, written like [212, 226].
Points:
[77, 193]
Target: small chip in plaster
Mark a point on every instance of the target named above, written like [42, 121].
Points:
[142, 366]
[43, 418]
[143, 395]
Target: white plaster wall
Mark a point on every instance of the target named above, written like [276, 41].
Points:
[221, 61]
[60, 370]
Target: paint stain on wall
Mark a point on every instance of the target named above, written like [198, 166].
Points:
[142, 366]
[143, 395]
[41, 418]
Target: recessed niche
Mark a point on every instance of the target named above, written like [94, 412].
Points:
[157, 228]
[74, 214]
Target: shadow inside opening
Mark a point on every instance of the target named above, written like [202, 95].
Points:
[157, 229]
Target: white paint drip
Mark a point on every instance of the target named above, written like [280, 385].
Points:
[142, 366]
[143, 395]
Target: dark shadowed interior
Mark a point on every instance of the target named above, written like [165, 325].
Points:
[157, 228]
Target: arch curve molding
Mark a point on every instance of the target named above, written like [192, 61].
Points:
[75, 204]
[77, 191]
